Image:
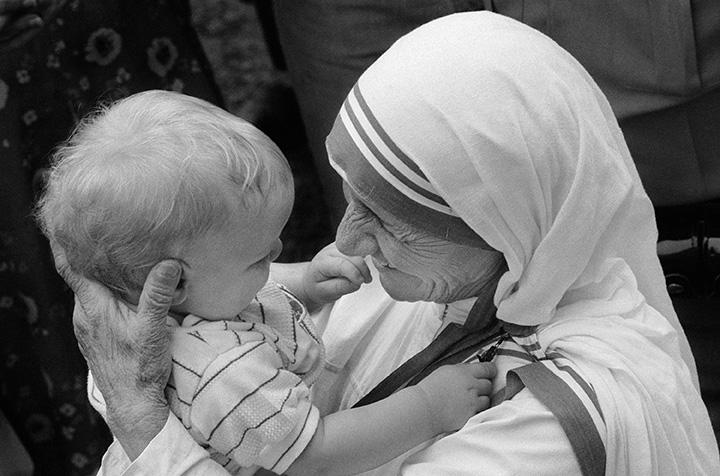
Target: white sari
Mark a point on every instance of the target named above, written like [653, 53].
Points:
[522, 145]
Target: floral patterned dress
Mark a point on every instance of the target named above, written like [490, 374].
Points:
[90, 51]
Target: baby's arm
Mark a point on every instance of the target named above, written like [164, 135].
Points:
[360, 439]
[327, 277]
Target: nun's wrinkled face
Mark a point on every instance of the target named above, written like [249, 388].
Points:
[413, 265]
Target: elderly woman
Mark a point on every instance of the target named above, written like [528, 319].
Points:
[484, 169]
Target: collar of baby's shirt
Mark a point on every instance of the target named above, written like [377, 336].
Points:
[189, 320]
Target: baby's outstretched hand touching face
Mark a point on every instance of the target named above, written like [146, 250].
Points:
[332, 274]
[457, 392]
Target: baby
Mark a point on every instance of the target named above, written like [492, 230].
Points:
[162, 175]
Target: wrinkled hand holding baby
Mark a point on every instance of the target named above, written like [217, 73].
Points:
[332, 274]
[457, 392]
[127, 354]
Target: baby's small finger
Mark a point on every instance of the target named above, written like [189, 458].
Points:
[483, 369]
[352, 272]
[483, 403]
[362, 267]
[483, 386]
[344, 286]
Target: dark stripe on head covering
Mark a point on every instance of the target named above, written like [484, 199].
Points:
[351, 150]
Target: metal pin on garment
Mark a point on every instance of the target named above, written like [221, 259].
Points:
[489, 354]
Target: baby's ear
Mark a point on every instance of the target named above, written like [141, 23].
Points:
[180, 293]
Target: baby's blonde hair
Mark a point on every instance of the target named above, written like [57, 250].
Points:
[143, 177]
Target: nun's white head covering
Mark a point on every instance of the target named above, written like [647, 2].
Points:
[475, 124]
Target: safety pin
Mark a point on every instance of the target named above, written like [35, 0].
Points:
[489, 354]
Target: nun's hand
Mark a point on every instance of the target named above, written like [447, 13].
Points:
[127, 351]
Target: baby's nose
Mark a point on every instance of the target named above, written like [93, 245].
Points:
[276, 250]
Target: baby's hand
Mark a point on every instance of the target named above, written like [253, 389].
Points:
[331, 274]
[457, 392]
